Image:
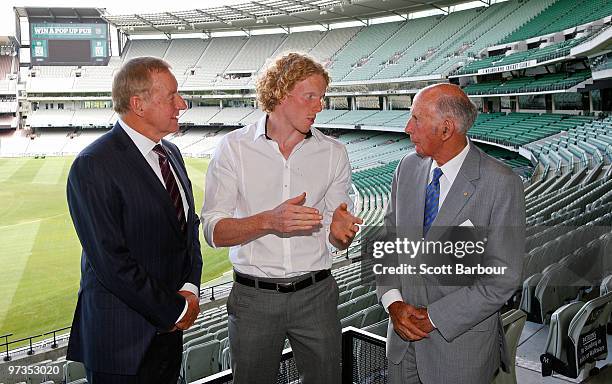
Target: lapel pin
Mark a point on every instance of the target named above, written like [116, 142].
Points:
[465, 193]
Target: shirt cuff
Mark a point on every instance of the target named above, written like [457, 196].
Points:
[191, 288]
[432, 323]
[182, 313]
[390, 297]
[209, 228]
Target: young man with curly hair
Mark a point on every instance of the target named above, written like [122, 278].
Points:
[277, 194]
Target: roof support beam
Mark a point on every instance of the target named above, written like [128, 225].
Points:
[152, 26]
[243, 13]
[175, 17]
[215, 17]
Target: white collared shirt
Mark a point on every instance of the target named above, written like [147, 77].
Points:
[145, 146]
[248, 175]
[450, 169]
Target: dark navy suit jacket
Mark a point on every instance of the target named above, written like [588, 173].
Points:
[135, 258]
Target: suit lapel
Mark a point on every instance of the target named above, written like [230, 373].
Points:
[139, 166]
[460, 193]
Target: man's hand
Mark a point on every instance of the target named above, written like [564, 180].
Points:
[292, 216]
[343, 227]
[424, 324]
[193, 310]
[408, 320]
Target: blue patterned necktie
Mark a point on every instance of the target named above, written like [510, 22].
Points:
[432, 198]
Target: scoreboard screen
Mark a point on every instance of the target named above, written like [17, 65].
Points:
[69, 44]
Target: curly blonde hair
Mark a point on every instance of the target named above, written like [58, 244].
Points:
[282, 74]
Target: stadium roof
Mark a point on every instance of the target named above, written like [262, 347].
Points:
[79, 14]
[261, 14]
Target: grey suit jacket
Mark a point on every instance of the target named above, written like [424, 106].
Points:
[468, 344]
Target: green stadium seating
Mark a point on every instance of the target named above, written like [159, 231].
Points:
[561, 15]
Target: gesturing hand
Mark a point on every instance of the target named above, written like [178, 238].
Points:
[409, 322]
[343, 226]
[292, 216]
[193, 310]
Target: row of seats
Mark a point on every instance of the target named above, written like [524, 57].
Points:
[548, 52]
[519, 128]
[588, 144]
[547, 82]
[561, 15]
[106, 117]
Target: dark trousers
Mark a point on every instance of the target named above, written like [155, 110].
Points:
[260, 320]
[161, 364]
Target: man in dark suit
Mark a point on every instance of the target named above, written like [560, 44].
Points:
[444, 332]
[132, 206]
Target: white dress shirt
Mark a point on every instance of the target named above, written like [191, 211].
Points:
[449, 172]
[248, 175]
[145, 146]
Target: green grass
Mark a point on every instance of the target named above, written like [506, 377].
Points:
[40, 252]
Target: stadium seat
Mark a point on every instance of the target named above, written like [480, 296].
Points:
[373, 315]
[577, 337]
[74, 370]
[513, 322]
[379, 328]
[201, 361]
[198, 340]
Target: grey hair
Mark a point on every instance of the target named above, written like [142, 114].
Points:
[461, 109]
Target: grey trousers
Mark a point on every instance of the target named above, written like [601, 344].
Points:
[259, 321]
[406, 371]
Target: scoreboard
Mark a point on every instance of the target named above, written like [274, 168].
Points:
[69, 43]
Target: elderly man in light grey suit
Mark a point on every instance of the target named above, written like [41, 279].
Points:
[440, 333]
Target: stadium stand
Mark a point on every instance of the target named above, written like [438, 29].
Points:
[548, 82]
[538, 54]
[561, 15]
[517, 129]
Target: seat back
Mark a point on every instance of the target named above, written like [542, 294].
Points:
[373, 315]
[379, 328]
[606, 285]
[201, 361]
[513, 322]
[574, 346]
[198, 340]
[587, 330]
[73, 371]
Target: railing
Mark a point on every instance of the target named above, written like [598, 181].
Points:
[31, 346]
[220, 287]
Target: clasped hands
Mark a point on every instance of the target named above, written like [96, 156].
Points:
[292, 216]
[193, 310]
[410, 323]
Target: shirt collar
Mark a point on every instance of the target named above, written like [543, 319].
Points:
[262, 130]
[451, 168]
[143, 143]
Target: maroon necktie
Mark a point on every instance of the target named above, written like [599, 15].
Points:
[171, 185]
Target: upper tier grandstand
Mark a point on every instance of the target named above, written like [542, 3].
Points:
[539, 72]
